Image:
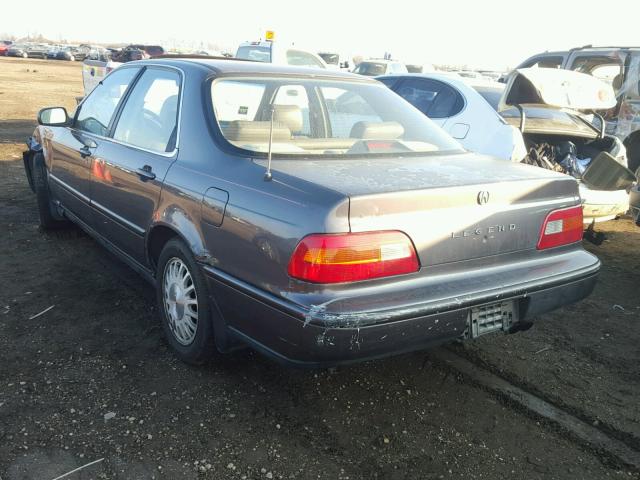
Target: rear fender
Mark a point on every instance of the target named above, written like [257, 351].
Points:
[182, 226]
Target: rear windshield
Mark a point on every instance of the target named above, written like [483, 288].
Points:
[254, 52]
[322, 117]
[371, 69]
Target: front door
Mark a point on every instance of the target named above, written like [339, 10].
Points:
[129, 171]
[74, 149]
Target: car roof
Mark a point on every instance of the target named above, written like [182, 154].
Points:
[447, 77]
[245, 67]
[380, 60]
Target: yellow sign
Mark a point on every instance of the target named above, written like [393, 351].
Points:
[269, 36]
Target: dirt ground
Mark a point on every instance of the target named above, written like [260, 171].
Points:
[92, 378]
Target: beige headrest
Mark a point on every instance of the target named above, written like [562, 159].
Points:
[247, 131]
[377, 131]
[289, 115]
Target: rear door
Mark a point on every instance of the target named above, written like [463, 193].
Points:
[74, 149]
[127, 178]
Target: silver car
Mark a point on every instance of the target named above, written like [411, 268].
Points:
[311, 214]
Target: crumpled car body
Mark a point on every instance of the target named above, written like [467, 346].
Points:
[619, 66]
[548, 106]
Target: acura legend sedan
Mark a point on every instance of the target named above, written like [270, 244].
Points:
[313, 215]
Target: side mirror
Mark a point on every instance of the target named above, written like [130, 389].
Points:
[54, 117]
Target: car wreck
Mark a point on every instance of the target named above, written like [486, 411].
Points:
[557, 113]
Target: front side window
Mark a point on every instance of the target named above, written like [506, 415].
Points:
[321, 117]
[97, 110]
[149, 119]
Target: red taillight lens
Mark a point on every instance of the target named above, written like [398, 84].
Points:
[561, 227]
[349, 257]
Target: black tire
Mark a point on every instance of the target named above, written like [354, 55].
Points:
[49, 219]
[633, 153]
[202, 348]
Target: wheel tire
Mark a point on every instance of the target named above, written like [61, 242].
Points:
[633, 153]
[72, 58]
[202, 346]
[24, 55]
[49, 220]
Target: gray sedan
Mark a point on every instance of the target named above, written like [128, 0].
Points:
[311, 214]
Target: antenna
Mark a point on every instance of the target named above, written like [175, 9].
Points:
[267, 174]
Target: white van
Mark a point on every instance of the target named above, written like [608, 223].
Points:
[273, 52]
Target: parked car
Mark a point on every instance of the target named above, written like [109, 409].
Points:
[37, 50]
[99, 61]
[467, 110]
[375, 67]
[17, 50]
[4, 47]
[620, 66]
[456, 107]
[53, 50]
[342, 227]
[278, 53]
[73, 53]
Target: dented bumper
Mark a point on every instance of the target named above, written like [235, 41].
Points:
[435, 310]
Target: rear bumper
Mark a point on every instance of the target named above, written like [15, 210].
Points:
[601, 205]
[319, 336]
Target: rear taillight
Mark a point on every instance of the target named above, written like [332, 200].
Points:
[561, 227]
[350, 257]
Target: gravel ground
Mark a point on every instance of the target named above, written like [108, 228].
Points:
[92, 378]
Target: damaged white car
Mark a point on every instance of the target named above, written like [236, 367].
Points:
[556, 113]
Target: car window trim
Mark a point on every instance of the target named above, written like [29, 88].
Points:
[79, 109]
[122, 104]
[118, 111]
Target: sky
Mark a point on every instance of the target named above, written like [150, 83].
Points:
[492, 34]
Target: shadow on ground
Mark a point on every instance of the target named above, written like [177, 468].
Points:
[16, 131]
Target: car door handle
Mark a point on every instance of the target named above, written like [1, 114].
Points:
[85, 152]
[145, 173]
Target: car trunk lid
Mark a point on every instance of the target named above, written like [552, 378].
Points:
[453, 207]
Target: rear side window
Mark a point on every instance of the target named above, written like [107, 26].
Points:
[149, 119]
[371, 69]
[388, 81]
[543, 62]
[302, 59]
[257, 53]
[434, 99]
[97, 110]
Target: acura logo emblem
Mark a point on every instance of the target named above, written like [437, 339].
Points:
[483, 197]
